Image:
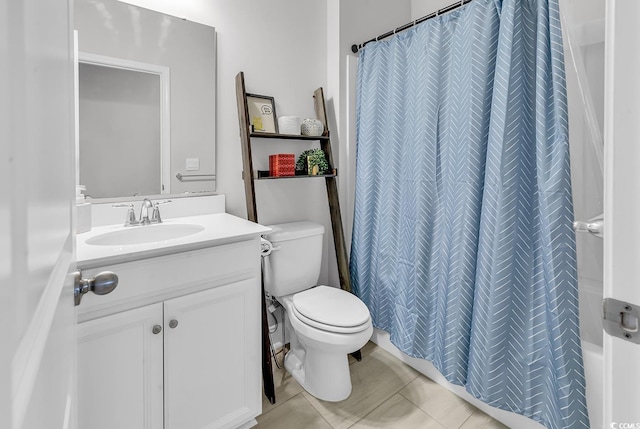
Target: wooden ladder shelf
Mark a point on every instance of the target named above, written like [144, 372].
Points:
[252, 213]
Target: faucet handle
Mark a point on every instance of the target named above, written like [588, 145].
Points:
[155, 215]
[131, 214]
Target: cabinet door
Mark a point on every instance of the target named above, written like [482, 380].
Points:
[120, 370]
[212, 357]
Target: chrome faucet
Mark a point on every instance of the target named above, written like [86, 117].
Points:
[146, 205]
[144, 218]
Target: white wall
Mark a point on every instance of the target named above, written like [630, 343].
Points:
[420, 8]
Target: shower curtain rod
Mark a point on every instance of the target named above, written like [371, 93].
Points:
[356, 48]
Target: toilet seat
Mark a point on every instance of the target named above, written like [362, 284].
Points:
[331, 309]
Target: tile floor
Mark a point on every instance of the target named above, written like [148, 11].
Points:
[386, 394]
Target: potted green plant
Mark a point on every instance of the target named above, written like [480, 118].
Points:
[312, 162]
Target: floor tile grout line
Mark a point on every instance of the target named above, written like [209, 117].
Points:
[420, 408]
[385, 401]
[275, 407]
[434, 418]
[467, 419]
[396, 392]
[314, 409]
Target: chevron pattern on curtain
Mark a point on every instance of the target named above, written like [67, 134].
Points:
[462, 242]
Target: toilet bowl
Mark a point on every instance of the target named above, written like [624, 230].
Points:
[324, 323]
[318, 358]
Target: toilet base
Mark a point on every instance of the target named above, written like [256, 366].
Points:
[324, 375]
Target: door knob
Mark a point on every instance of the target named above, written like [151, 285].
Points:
[102, 284]
[157, 329]
[173, 323]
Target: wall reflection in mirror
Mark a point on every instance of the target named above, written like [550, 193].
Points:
[146, 101]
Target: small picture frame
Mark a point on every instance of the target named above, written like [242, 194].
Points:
[262, 114]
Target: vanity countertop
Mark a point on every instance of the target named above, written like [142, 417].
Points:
[217, 229]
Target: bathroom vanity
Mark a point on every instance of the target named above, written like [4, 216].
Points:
[177, 344]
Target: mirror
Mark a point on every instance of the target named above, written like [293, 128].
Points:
[146, 84]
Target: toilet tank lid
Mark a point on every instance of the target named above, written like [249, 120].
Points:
[293, 230]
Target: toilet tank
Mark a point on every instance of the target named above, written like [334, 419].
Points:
[294, 263]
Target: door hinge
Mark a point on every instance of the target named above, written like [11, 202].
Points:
[622, 319]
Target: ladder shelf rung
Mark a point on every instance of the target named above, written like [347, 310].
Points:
[264, 175]
[288, 136]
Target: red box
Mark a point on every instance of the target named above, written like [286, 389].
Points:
[282, 164]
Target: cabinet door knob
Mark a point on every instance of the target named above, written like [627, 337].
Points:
[173, 323]
[157, 329]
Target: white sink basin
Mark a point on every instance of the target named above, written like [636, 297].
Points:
[144, 234]
[116, 244]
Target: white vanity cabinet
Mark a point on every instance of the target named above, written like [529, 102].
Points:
[176, 345]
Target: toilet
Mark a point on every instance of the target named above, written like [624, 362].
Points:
[325, 323]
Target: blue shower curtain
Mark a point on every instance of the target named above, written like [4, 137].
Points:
[462, 243]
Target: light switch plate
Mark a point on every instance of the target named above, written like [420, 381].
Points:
[193, 164]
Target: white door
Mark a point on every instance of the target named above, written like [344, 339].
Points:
[37, 315]
[622, 207]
